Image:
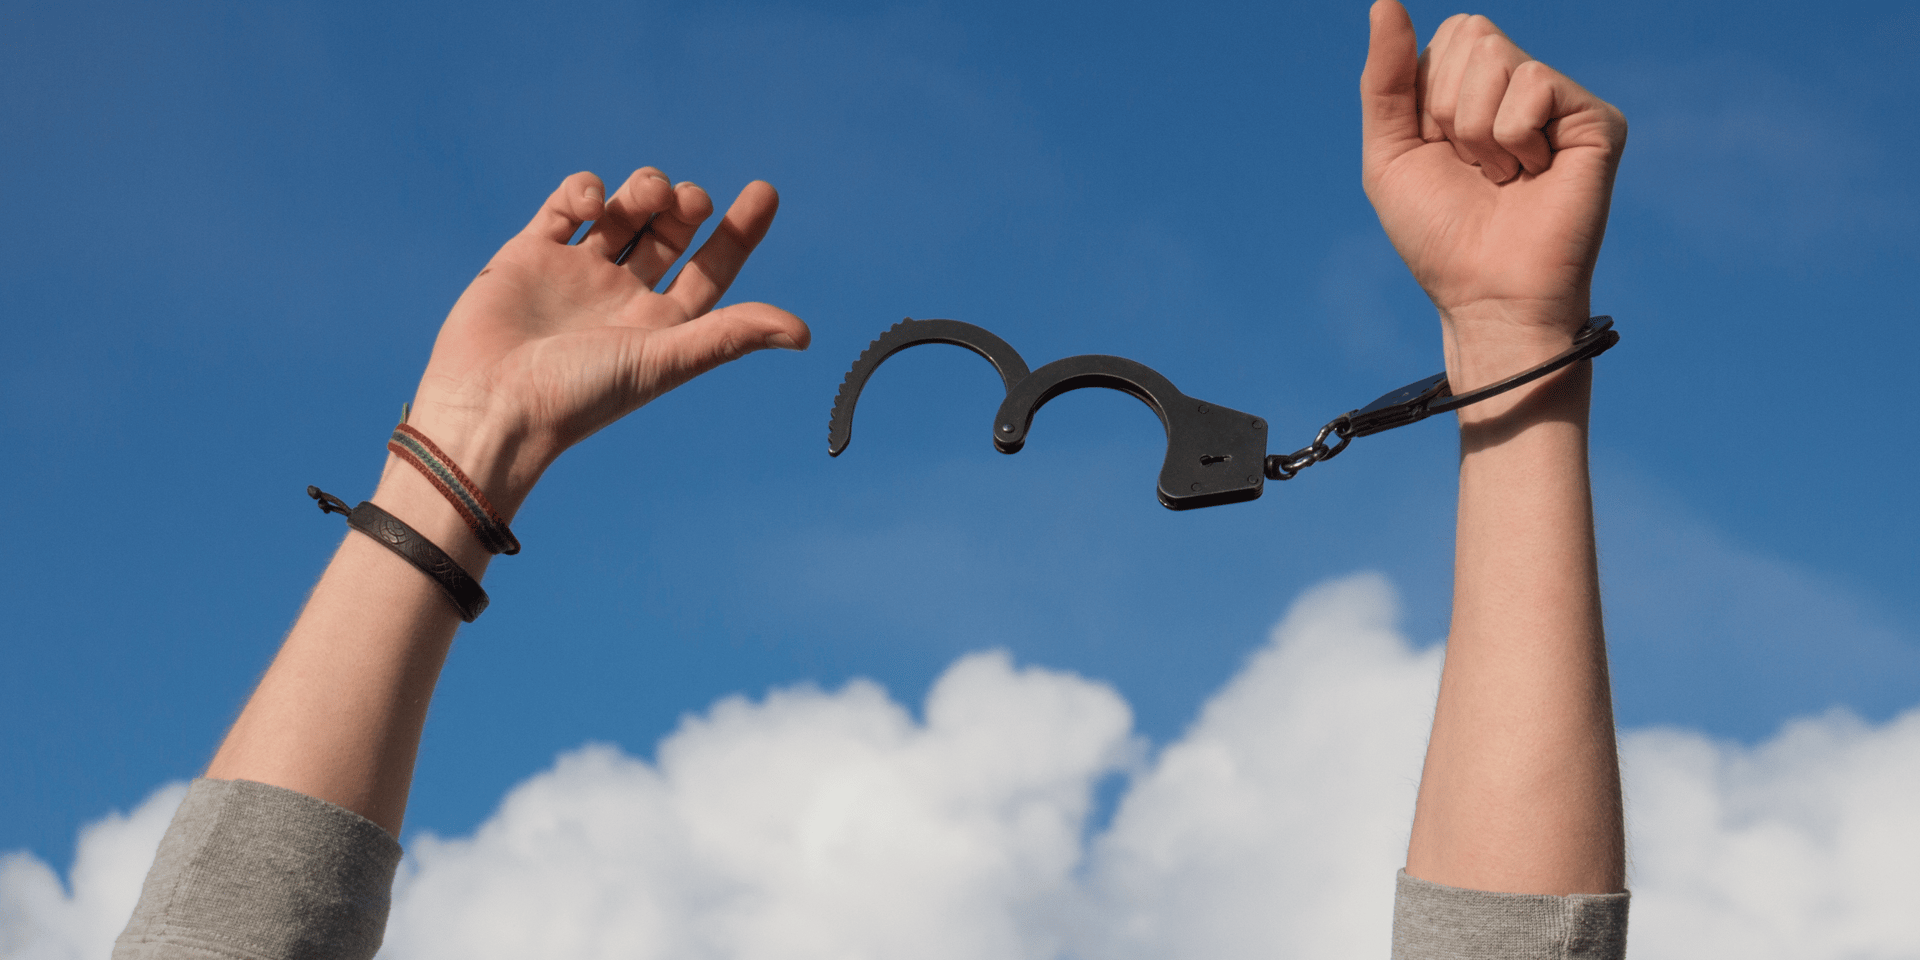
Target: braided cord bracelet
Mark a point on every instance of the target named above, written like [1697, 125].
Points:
[446, 476]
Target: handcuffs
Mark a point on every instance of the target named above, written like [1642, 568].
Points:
[1215, 454]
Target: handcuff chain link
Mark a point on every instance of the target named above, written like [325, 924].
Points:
[1288, 465]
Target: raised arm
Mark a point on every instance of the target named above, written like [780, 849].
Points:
[550, 343]
[1491, 173]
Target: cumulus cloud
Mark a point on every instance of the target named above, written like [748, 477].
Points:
[837, 824]
[42, 920]
[809, 825]
[1274, 826]
[1803, 846]
[832, 825]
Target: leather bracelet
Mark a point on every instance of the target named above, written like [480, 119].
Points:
[390, 532]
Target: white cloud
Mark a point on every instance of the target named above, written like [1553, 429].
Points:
[1274, 826]
[835, 824]
[811, 824]
[1803, 846]
[41, 920]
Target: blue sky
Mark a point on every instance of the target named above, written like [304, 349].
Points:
[232, 232]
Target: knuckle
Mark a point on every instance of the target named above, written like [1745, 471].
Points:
[1614, 119]
[1510, 130]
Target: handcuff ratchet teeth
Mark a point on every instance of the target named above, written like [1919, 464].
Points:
[1215, 454]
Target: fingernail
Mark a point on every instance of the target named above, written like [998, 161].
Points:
[781, 341]
[660, 177]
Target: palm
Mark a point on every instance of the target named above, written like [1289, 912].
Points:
[1470, 241]
[563, 332]
[560, 341]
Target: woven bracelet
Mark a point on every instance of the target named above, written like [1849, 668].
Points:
[446, 476]
[390, 532]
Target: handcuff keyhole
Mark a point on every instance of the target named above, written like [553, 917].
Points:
[1208, 460]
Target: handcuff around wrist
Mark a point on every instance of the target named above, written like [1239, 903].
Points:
[1215, 455]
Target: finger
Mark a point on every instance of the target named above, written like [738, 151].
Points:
[646, 192]
[1483, 87]
[1430, 57]
[578, 199]
[711, 271]
[1448, 67]
[1389, 112]
[1545, 111]
[677, 354]
[1525, 111]
[655, 252]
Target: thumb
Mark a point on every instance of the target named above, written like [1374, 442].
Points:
[1389, 112]
[680, 353]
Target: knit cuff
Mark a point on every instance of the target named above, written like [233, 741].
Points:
[1432, 921]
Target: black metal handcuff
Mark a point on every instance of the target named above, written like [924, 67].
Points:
[1215, 454]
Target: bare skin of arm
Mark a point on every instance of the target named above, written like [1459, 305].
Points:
[549, 344]
[1492, 175]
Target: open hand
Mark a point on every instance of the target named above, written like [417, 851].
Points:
[552, 342]
[1491, 173]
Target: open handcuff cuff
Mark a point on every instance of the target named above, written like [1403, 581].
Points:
[1215, 454]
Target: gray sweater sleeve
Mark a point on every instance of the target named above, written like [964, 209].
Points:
[248, 871]
[1436, 922]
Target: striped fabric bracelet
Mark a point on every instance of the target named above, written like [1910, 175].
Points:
[413, 446]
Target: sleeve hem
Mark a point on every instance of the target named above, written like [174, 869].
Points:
[1433, 921]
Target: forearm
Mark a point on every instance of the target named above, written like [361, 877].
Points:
[551, 342]
[1521, 787]
[339, 713]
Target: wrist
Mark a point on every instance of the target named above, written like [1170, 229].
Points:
[1558, 403]
[413, 500]
[470, 452]
[1489, 341]
[495, 450]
